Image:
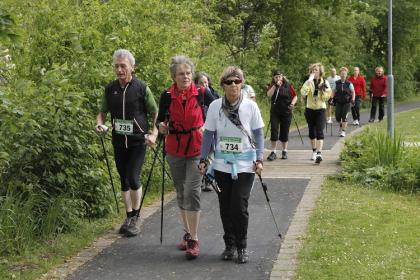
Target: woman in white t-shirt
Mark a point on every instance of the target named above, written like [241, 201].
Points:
[235, 121]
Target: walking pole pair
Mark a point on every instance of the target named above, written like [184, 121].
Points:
[146, 187]
[105, 129]
[264, 186]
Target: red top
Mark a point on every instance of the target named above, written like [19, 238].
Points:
[186, 119]
[378, 86]
[359, 85]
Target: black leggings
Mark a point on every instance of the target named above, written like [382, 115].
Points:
[284, 122]
[355, 110]
[341, 111]
[233, 202]
[316, 123]
[129, 162]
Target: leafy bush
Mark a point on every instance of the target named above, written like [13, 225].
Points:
[373, 159]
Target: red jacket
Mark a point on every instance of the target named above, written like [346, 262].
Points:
[379, 86]
[185, 136]
[359, 85]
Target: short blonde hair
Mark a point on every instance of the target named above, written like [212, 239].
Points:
[344, 69]
[320, 66]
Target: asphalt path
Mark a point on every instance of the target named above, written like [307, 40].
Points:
[143, 257]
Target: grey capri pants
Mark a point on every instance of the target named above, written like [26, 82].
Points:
[187, 180]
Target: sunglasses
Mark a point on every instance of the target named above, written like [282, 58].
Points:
[230, 82]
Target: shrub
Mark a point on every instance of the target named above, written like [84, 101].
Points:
[373, 159]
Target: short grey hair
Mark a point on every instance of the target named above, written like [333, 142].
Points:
[232, 71]
[179, 60]
[122, 53]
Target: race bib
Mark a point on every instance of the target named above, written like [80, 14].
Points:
[230, 144]
[124, 127]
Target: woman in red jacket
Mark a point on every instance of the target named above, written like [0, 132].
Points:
[181, 118]
[378, 91]
[360, 88]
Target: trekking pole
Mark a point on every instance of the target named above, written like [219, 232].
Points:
[149, 177]
[268, 127]
[301, 139]
[264, 186]
[109, 169]
[156, 155]
[163, 189]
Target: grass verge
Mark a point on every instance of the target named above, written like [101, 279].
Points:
[362, 233]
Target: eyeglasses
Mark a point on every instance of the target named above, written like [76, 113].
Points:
[230, 82]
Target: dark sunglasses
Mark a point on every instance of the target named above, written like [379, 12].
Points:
[229, 82]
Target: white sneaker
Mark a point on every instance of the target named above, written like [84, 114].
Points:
[313, 156]
[329, 121]
[356, 122]
[343, 133]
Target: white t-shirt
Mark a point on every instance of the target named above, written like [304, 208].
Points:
[332, 81]
[248, 91]
[216, 120]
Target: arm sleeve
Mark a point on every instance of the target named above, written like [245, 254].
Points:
[151, 106]
[363, 88]
[164, 101]
[305, 89]
[292, 91]
[208, 97]
[104, 105]
[208, 137]
[385, 92]
[259, 142]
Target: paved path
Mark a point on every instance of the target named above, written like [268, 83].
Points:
[294, 186]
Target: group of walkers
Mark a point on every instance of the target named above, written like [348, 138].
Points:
[205, 135]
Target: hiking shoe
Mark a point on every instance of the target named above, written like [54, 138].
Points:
[343, 133]
[318, 158]
[193, 250]
[183, 245]
[243, 256]
[284, 155]
[133, 227]
[313, 156]
[272, 156]
[205, 187]
[124, 226]
[228, 253]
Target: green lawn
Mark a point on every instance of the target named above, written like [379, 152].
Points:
[407, 124]
[361, 233]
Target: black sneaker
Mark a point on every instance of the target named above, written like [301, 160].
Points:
[124, 226]
[228, 253]
[133, 228]
[243, 256]
[272, 156]
[318, 158]
[371, 120]
[284, 155]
